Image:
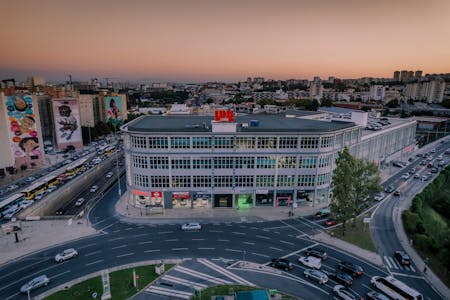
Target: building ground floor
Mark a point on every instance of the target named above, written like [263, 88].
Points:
[197, 199]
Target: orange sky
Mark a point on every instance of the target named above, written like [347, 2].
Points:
[189, 40]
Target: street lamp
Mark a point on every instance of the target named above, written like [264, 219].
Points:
[117, 162]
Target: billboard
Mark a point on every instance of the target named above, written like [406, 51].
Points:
[67, 122]
[23, 135]
[114, 110]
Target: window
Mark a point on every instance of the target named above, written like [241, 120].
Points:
[140, 180]
[139, 161]
[326, 141]
[158, 162]
[267, 142]
[160, 181]
[288, 142]
[181, 163]
[245, 142]
[308, 162]
[265, 180]
[181, 181]
[201, 142]
[223, 142]
[306, 180]
[223, 181]
[309, 142]
[287, 162]
[244, 181]
[245, 162]
[201, 163]
[138, 142]
[324, 161]
[158, 143]
[323, 179]
[285, 180]
[223, 162]
[202, 181]
[265, 162]
[179, 142]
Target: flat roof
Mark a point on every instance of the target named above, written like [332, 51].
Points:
[266, 123]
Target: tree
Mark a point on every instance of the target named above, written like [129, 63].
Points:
[354, 181]
[326, 102]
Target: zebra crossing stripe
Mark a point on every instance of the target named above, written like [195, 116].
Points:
[393, 263]
[168, 292]
[412, 268]
[388, 263]
[182, 281]
[224, 272]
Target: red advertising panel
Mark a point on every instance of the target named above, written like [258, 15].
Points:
[223, 115]
[139, 193]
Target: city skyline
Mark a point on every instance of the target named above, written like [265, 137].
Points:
[224, 41]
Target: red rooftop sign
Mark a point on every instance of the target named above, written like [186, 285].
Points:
[223, 115]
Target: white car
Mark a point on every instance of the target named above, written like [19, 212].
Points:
[35, 283]
[39, 196]
[379, 196]
[316, 275]
[93, 189]
[191, 226]
[311, 261]
[25, 204]
[80, 202]
[109, 174]
[66, 254]
[347, 294]
[405, 176]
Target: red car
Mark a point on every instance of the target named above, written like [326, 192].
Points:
[330, 222]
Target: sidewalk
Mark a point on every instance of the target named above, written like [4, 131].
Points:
[37, 235]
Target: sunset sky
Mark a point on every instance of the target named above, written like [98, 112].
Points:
[222, 40]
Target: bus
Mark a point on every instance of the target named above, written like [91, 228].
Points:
[395, 288]
[35, 189]
[75, 167]
[52, 180]
[11, 203]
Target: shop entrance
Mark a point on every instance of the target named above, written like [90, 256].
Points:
[223, 200]
[284, 198]
[181, 200]
[201, 200]
[244, 200]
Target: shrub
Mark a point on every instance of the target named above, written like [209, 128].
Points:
[410, 221]
[417, 204]
[423, 241]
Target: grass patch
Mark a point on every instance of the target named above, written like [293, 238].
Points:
[435, 225]
[358, 235]
[121, 283]
[228, 290]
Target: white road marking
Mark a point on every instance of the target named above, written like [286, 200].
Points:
[20, 269]
[274, 248]
[248, 243]
[88, 245]
[60, 274]
[263, 237]
[285, 242]
[94, 262]
[129, 228]
[146, 242]
[204, 248]
[165, 232]
[276, 227]
[224, 272]
[388, 262]
[233, 250]
[407, 275]
[116, 239]
[126, 254]
[198, 239]
[149, 251]
[172, 240]
[93, 253]
[220, 240]
[179, 249]
[168, 292]
[293, 227]
[201, 275]
[118, 247]
[239, 233]
[182, 281]
[216, 231]
[13, 295]
[138, 235]
[259, 254]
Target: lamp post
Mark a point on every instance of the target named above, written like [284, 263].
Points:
[117, 162]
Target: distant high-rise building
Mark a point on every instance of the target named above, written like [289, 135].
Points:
[377, 92]
[331, 79]
[418, 74]
[249, 80]
[397, 76]
[410, 75]
[316, 89]
[259, 80]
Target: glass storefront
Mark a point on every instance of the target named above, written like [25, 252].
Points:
[140, 198]
[305, 197]
[264, 198]
[284, 198]
[223, 200]
[244, 200]
[156, 199]
[201, 200]
[181, 200]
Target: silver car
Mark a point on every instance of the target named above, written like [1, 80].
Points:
[66, 254]
[316, 275]
[35, 283]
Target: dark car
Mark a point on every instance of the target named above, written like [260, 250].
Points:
[376, 296]
[434, 170]
[281, 263]
[402, 257]
[397, 193]
[350, 268]
[60, 211]
[330, 222]
[316, 252]
[342, 277]
[325, 212]
[389, 189]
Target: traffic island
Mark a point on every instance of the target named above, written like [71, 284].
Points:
[238, 292]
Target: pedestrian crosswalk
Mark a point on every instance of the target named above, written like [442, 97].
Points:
[181, 281]
[393, 264]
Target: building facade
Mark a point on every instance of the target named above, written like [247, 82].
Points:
[253, 160]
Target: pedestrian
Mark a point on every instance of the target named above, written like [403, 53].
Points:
[425, 269]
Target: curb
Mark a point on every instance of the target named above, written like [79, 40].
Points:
[99, 273]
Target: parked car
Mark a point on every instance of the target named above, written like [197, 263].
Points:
[379, 196]
[29, 179]
[35, 283]
[419, 155]
[109, 174]
[330, 222]
[66, 254]
[402, 257]
[39, 196]
[405, 176]
[60, 211]
[191, 226]
[346, 294]
[325, 212]
[12, 187]
[281, 263]
[389, 189]
[316, 275]
[397, 193]
[434, 170]
[398, 164]
[26, 203]
[93, 189]
[311, 261]
[423, 163]
[342, 277]
[425, 178]
[433, 150]
[316, 252]
[416, 176]
[376, 296]
[350, 268]
[439, 158]
[80, 202]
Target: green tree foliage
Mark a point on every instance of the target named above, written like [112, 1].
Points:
[326, 102]
[354, 180]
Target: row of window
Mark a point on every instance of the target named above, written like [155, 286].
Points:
[230, 162]
[230, 181]
[231, 142]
